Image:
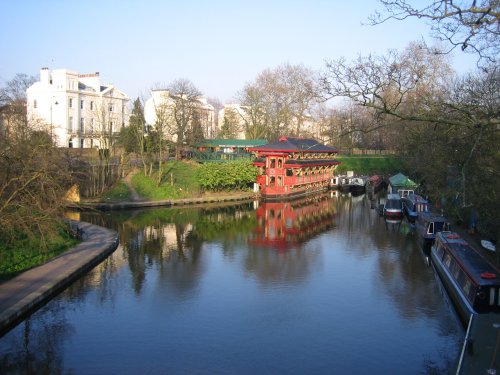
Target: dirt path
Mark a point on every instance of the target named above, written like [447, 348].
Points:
[128, 181]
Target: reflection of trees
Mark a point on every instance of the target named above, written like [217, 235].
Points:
[36, 345]
[170, 239]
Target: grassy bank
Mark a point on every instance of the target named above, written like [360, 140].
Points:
[368, 165]
[23, 252]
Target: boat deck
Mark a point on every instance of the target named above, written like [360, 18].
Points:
[481, 349]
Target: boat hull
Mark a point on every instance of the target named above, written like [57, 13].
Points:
[462, 305]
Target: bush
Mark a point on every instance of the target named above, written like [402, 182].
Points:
[230, 175]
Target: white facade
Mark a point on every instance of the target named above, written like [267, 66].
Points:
[239, 113]
[162, 104]
[76, 109]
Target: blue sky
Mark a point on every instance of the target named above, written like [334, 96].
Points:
[219, 45]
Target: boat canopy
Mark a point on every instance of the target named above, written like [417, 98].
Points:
[401, 181]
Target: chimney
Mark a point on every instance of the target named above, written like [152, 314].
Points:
[45, 75]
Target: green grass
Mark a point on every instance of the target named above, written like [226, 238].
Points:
[366, 165]
[119, 192]
[178, 182]
[25, 252]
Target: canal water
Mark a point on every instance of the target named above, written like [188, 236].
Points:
[316, 286]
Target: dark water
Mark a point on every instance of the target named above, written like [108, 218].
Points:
[322, 286]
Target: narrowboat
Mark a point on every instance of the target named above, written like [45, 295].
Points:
[413, 204]
[344, 184]
[293, 167]
[375, 183]
[472, 282]
[427, 225]
[358, 185]
[400, 181]
[393, 207]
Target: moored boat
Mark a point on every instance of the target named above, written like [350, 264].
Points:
[375, 183]
[427, 225]
[293, 167]
[357, 185]
[344, 184]
[472, 282]
[393, 207]
[413, 204]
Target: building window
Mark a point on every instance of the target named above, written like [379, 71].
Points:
[70, 144]
[81, 143]
[110, 107]
[111, 126]
[81, 104]
[91, 106]
[70, 124]
[82, 124]
[70, 103]
[35, 104]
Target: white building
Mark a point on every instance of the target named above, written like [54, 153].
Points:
[162, 104]
[77, 109]
[235, 112]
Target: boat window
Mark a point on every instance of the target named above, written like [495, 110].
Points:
[280, 181]
[447, 260]
[272, 163]
[430, 230]
[272, 181]
[289, 172]
[438, 226]
[393, 203]
[280, 163]
[492, 296]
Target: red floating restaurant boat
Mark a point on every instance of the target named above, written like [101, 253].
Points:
[294, 167]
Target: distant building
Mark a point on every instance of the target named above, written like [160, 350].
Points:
[162, 104]
[235, 115]
[77, 109]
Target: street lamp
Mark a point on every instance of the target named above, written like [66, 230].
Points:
[51, 125]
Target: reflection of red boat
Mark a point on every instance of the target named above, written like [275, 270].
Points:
[282, 225]
[294, 167]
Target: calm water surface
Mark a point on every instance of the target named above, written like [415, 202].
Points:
[322, 286]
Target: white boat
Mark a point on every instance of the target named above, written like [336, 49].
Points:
[488, 245]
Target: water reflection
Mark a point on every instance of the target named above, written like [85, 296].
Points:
[284, 225]
[247, 278]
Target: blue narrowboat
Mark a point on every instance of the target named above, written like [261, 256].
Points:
[427, 225]
[472, 282]
[413, 204]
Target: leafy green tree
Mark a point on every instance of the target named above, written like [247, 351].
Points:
[231, 124]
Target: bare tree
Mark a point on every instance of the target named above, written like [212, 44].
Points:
[472, 25]
[279, 102]
[34, 174]
[407, 86]
[185, 96]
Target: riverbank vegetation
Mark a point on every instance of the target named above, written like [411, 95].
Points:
[369, 165]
